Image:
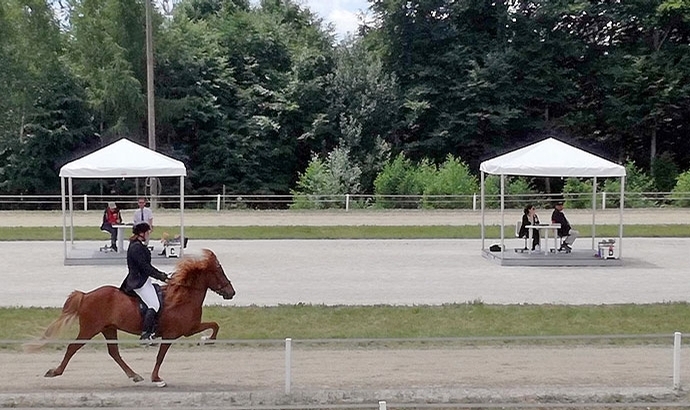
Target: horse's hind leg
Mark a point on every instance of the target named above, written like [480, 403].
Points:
[114, 352]
[71, 350]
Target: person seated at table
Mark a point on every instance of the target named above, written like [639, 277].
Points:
[530, 218]
[111, 216]
[565, 231]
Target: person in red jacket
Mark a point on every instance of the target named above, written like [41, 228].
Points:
[111, 216]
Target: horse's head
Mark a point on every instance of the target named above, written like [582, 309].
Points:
[218, 281]
[203, 273]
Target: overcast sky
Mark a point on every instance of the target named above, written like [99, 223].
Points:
[342, 13]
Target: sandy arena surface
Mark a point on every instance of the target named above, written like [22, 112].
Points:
[357, 272]
[220, 376]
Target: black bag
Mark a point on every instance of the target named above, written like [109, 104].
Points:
[495, 248]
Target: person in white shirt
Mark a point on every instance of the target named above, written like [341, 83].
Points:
[143, 214]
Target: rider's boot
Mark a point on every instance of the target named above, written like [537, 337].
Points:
[148, 331]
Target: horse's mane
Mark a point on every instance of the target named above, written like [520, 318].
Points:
[188, 270]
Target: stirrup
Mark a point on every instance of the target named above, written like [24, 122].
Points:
[147, 338]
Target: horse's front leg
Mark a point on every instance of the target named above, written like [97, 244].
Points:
[155, 378]
[203, 326]
[114, 352]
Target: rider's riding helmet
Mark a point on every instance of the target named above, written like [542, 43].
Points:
[141, 228]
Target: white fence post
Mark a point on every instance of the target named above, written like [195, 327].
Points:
[676, 360]
[347, 202]
[474, 202]
[218, 203]
[86, 205]
[603, 200]
[382, 405]
[288, 363]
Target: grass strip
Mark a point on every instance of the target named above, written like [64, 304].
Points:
[337, 232]
[473, 319]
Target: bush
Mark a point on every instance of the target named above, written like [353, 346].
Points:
[399, 177]
[452, 178]
[681, 192]
[325, 183]
[578, 193]
[518, 190]
[665, 172]
[637, 182]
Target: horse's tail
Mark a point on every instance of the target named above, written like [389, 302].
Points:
[70, 311]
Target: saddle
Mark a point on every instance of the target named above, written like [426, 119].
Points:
[142, 305]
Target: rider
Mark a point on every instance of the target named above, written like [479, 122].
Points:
[138, 279]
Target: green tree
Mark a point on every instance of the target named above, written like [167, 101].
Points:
[46, 120]
[106, 52]
[325, 183]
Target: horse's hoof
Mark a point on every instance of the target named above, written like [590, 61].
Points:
[160, 383]
[205, 340]
[136, 378]
[50, 373]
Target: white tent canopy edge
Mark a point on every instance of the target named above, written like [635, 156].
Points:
[551, 158]
[121, 159]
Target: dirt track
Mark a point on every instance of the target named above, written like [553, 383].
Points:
[214, 376]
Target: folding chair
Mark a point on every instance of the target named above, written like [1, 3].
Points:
[107, 247]
[518, 225]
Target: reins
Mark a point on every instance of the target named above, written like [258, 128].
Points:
[183, 285]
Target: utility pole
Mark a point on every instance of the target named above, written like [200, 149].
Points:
[150, 95]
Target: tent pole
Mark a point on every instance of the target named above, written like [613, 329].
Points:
[620, 219]
[64, 216]
[71, 212]
[503, 192]
[481, 194]
[182, 215]
[594, 211]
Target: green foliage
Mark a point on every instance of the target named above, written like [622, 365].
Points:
[399, 177]
[681, 192]
[453, 177]
[637, 183]
[518, 191]
[246, 92]
[578, 193]
[450, 185]
[325, 183]
[665, 172]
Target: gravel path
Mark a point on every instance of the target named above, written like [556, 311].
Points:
[214, 376]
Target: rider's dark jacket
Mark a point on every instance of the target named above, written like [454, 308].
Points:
[139, 266]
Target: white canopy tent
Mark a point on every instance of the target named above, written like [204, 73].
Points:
[121, 159]
[552, 158]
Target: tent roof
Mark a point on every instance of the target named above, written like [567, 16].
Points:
[123, 158]
[552, 158]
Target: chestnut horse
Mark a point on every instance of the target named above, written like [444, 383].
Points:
[107, 309]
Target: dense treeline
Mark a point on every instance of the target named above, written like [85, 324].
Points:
[251, 97]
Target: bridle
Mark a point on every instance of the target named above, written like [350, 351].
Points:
[225, 282]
